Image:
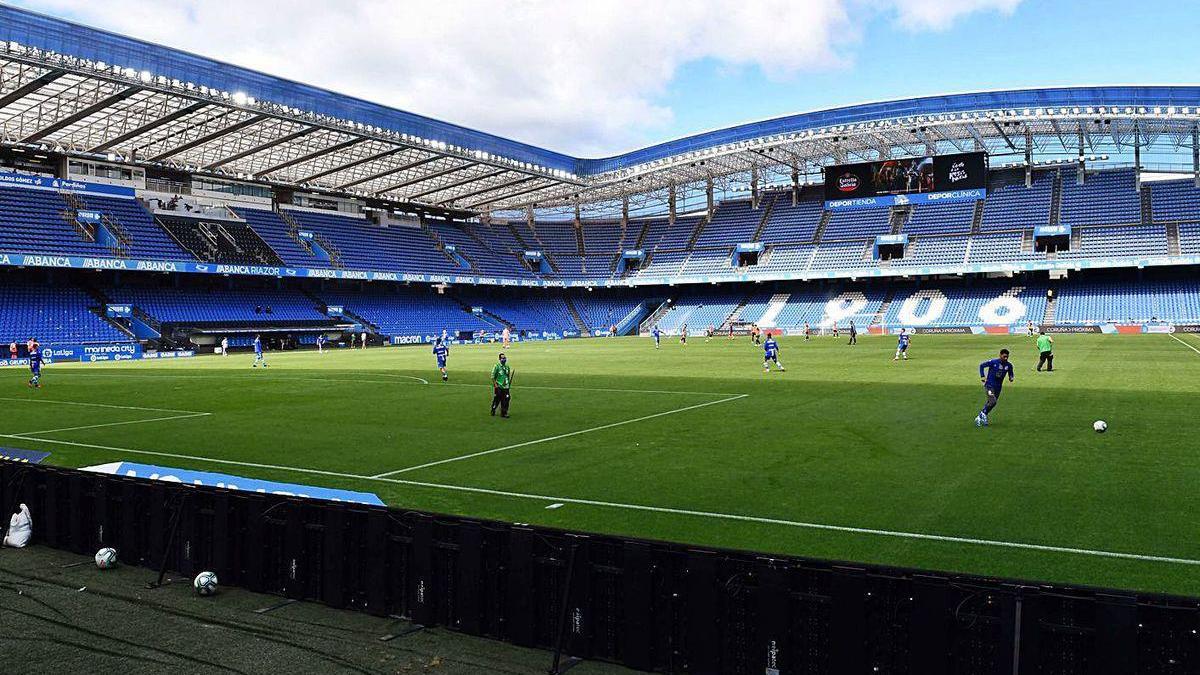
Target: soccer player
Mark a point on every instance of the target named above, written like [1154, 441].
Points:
[1029, 329]
[683, 335]
[853, 334]
[807, 331]
[35, 364]
[441, 351]
[708, 334]
[364, 339]
[320, 343]
[835, 330]
[902, 345]
[506, 337]
[755, 334]
[993, 382]
[771, 355]
[502, 377]
[657, 336]
[12, 350]
[258, 353]
[224, 346]
[1045, 345]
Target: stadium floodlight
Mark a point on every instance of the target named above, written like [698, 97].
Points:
[239, 98]
[146, 77]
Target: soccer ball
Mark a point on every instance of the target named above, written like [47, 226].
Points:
[106, 558]
[1100, 426]
[205, 583]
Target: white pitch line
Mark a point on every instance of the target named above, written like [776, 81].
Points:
[514, 446]
[1173, 337]
[439, 385]
[899, 534]
[95, 405]
[115, 424]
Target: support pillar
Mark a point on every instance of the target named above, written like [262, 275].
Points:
[671, 205]
[795, 187]
[1196, 156]
[1028, 158]
[1079, 174]
[529, 216]
[754, 187]
[624, 212]
[710, 206]
[1137, 157]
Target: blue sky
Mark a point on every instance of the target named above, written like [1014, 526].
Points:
[606, 76]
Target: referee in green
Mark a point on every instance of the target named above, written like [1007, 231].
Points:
[1045, 345]
[502, 377]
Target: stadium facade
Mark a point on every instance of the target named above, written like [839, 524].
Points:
[271, 205]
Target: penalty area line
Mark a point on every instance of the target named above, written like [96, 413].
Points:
[569, 434]
[710, 515]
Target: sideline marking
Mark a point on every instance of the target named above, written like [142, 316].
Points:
[1183, 343]
[654, 509]
[116, 424]
[98, 405]
[569, 434]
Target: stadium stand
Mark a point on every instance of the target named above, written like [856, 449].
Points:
[1012, 206]
[1120, 302]
[219, 305]
[53, 315]
[1105, 198]
[400, 310]
[788, 223]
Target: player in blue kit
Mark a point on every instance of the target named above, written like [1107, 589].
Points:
[657, 336]
[902, 345]
[441, 351]
[35, 364]
[992, 374]
[771, 355]
[258, 353]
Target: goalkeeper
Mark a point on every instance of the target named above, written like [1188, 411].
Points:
[502, 377]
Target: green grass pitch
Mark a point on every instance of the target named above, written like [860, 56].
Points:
[846, 456]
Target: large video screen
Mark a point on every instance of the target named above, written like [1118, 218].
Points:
[880, 183]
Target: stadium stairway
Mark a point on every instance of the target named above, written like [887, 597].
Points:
[1051, 310]
[883, 307]
[654, 316]
[820, 231]
[977, 219]
[579, 322]
[1173, 238]
[1056, 199]
[775, 305]
[766, 216]
[1147, 206]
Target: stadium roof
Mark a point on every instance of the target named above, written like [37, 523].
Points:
[88, 92]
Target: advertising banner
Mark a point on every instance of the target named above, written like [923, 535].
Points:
[119, 311]
[31, 182]
[916, 180]
[234, 482]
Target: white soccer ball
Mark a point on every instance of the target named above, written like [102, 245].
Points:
[205, 583]
[106, 558]
[1100, 426]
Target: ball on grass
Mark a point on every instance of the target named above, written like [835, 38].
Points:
[106, 558]
[1100, 426]
[205, 583]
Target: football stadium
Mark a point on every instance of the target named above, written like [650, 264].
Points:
[729, 403]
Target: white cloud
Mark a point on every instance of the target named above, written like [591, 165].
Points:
[941, 14]
[579, 77]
